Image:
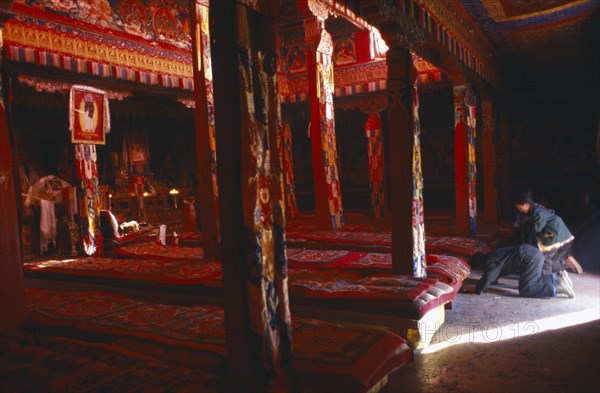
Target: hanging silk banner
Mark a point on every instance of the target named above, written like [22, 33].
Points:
[210, 100]
[88, 197]
[419, 262]
[376, 170]
[288, 173]
[471, 102]
[89, 122]
[325, 89]
[263, 247]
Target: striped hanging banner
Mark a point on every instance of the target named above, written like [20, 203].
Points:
[376, 164]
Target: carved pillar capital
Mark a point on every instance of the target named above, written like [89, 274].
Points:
[318, 9]
[313, 29]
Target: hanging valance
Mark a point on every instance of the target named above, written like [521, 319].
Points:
[87, 53]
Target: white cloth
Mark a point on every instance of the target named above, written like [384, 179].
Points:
[113, 222]
[47, 225]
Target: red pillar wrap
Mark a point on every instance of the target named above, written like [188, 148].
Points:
[460, 160]
[376, 167]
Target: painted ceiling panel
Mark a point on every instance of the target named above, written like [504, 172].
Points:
[539, 40]
[164, 21]
[512, 10]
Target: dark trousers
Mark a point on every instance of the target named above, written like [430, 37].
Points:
[532, 283]
[554, 260]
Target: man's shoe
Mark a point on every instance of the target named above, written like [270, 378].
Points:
[573, 265]
[564, 286]
[566, 277]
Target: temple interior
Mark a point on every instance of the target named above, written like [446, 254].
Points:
[291, 195]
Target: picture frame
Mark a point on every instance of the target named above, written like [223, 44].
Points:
[88, 115]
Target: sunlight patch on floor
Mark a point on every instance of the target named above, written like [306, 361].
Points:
[449, 335]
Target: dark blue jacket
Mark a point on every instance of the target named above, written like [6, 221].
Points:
[549, 227]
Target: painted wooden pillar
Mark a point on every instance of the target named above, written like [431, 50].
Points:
[257, 318]
[418, 214]
[275, 258]
[376, 164]
[328, 198]
[400, 72]
[460, 160]
[291, 203]
[490, 212]
[13, 311]
[208, 194]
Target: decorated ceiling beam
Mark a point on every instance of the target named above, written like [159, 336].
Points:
[141, 42]
[411, 22]
[361, 78]
[49, 86]
[360, 65]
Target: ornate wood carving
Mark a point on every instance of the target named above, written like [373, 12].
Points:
[318, 9]
[366, 103]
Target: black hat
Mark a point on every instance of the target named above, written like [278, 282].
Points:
[523, 197]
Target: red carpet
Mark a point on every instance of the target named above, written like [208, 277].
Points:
[404, 296]
[35, 363]
[346, 358]
[463, 247]
[154, 250]
[448, 269]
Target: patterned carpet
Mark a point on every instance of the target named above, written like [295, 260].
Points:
[348, 358]
[463, 247]
[404, 296]
[36, 363]
[155, 250]
[448, 269]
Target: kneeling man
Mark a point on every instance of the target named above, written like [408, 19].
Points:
[526, 261]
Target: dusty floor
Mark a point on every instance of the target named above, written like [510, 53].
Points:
[500, 342]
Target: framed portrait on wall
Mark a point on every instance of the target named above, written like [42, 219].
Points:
[138, 150]
[88, 117]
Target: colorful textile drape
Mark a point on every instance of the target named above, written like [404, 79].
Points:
[89, 121]
[263, 248]
[471, 103]
[419, 263]
[288, 173]
[89, 210]
[376, 170]
[328, 143]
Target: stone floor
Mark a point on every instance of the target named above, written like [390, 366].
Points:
[500, 342]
